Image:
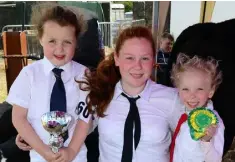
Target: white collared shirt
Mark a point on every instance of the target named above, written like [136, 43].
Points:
[32, 90]
[158, 115]
[189, 150]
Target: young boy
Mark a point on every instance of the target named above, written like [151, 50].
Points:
[35, 90]
[196, 80]
[163, 55]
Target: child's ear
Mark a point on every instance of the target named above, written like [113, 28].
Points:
[40, 40]
[212, 91]
[116, 59]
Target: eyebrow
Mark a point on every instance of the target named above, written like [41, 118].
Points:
[64, 39]
[147, 54]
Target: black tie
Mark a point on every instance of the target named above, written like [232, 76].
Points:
[58, 96]
[132, 117]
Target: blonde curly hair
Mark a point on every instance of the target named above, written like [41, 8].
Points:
[208, 65]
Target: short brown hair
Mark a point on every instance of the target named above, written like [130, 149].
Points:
[47, 11]
[168, 36]
[208, 65]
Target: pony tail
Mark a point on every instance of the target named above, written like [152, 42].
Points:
[102, 81]
[108, 72]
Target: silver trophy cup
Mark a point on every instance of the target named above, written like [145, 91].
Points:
[56, 123]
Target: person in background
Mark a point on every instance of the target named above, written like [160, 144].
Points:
[163, 54]
[101, 41]
[8, 148]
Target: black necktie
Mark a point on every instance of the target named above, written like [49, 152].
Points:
[132, 117]
[58, 96]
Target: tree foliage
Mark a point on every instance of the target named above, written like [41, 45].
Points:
[128, 5]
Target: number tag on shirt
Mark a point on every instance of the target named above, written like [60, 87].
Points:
[82, 108]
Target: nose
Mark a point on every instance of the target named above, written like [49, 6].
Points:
[59, 48]
[192, 95]
[138, 64]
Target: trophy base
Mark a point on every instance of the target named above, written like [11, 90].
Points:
[56, 142]
[54, 149]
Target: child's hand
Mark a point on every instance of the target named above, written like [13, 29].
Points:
[210, 132]
[51, 156]
[22, 144]
[67, 155]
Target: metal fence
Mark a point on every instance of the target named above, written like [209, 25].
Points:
[33, 46]
[10, 28]
[109, 30]
[29, 43]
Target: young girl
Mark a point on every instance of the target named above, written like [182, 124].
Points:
[196, 80]
[38, 86]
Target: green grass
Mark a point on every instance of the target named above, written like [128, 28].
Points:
[3, 85]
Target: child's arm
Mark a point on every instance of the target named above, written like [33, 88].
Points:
[82, 129]
[20, 122]
[214, 149]
[78, 138]
[20, 96]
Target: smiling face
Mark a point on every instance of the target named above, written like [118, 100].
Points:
[135, 62]
[195, 88]
[58, 43]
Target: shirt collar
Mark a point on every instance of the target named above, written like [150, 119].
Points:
[161, 50]
[145, 94]
[48, 67]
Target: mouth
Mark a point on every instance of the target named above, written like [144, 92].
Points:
[192, 104]
[136, 76]
[59, 57]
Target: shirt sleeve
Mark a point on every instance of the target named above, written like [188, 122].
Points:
[82, 109]
[214, 149]
[210, 105]
[83, 112]
[19, 93]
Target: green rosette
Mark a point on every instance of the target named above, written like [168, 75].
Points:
[199, 119]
